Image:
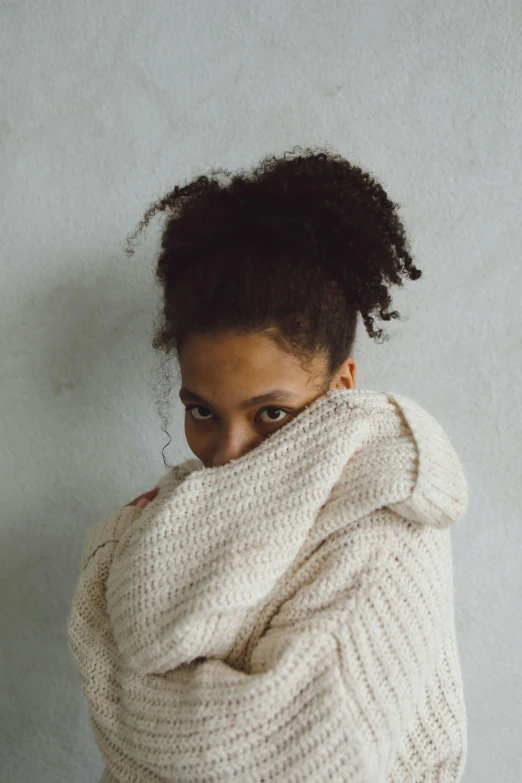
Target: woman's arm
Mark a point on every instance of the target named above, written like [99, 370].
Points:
[329, 689]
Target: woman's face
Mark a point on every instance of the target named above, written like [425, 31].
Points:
[221, 373]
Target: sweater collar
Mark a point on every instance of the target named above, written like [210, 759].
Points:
[415, 458]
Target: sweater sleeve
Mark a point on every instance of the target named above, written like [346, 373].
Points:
[118, 524]
[330, 686]
[109, 529]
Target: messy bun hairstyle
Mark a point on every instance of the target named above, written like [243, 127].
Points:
[294, 247]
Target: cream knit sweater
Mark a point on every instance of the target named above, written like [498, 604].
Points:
[287, 616]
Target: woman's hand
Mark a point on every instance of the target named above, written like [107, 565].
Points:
[143, 500]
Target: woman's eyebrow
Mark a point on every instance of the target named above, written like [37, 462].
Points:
[274, 394]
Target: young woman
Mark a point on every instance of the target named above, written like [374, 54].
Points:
[282, 609]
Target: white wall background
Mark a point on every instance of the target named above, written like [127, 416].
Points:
[106, 105]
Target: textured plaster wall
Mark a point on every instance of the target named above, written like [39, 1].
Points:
[105, 105]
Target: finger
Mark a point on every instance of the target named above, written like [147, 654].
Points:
[150, 495]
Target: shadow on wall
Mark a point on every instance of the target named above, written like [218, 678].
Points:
[75, 356]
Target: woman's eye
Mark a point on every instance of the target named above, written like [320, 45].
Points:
[206, 418]
[279, 410]
[196, 407]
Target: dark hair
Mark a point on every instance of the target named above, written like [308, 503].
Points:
[295, 247]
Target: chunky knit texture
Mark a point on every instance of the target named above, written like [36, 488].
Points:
[287, 616]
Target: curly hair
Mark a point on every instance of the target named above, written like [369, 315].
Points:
[294, 247]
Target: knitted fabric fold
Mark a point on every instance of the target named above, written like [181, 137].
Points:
[287, 616]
